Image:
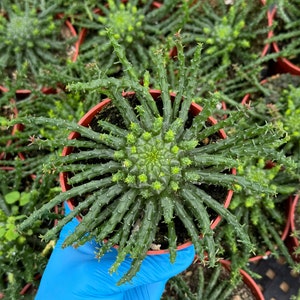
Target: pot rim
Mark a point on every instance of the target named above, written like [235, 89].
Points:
[247, 279]
[286, 65]
[293, 202]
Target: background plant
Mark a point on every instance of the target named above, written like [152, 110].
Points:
[253, 209]
[148, 23]
[228, 33]
[30, 34]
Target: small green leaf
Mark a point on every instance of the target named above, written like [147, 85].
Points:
[12, 197]
[24, 199]
[11, 234]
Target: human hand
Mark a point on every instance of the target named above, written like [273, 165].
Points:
[75, 273]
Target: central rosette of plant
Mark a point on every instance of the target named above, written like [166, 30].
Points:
[21, 29]
[123, 20]
[24, 29]
[152, 160]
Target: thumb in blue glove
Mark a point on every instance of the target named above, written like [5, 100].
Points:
[76, 273]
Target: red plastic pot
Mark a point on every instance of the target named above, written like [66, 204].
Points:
[293, 242]
[248, 280]
[283, 65]
[89, 116]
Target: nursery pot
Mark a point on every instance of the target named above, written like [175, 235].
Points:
[284, 65]
[248, 281]
[89, 116]
[293, 242]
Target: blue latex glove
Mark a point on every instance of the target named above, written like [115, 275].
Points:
[73, 274]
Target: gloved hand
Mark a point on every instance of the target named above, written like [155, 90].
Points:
[73, 274]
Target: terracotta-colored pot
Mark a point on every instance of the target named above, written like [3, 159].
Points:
[292, 241]
[283, 65]
[248, 280]
[89, 116]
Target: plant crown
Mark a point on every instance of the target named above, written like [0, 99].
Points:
[29, 35]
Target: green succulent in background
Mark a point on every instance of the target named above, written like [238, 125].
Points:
[286, 113]
[228, 32]
[30, 35]
[167, 177]
[124, 21]
[137, 25]
[225, 35]
[278, 102]
[264, 217]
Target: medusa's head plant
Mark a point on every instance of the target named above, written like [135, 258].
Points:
[228, 32]
[286, 113]
[136, 25]
[253, 209]
[152, 164]
[30, 34]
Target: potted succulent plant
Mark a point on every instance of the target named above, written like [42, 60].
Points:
[229, 44]
[278, 103]
[33, 34]
[226, 35]
[154, 163]
[147, 25]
